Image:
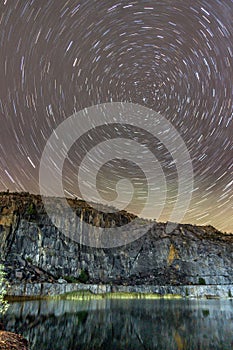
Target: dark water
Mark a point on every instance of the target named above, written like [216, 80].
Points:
[124, 324]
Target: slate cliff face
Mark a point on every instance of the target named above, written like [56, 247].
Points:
[33, 250]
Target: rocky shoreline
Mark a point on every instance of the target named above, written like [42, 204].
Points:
[11, 341]
[51, 290]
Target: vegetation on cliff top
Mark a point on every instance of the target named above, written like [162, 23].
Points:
[3, 302]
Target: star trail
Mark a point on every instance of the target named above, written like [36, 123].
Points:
[175, 57]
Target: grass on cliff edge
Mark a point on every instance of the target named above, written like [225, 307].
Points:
[87, 295]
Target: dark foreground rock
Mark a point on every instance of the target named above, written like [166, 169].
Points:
[34, 251]
[11, 341]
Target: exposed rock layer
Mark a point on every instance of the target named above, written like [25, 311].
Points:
[68, 291]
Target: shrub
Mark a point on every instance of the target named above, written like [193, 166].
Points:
[205, 313]
[201, 281]
[84, 276]
[3, 303]
[70, 279]
[29, 260]
[31, 211]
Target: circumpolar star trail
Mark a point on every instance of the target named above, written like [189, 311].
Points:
[175, 57]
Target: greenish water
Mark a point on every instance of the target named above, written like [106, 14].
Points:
[123, 324]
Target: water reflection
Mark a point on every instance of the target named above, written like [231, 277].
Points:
[124, 324]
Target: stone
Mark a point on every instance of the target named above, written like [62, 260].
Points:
[62, 281]
[19, 274]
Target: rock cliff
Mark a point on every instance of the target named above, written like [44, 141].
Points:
[33, 250]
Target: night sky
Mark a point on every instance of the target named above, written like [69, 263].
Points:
[175, 57]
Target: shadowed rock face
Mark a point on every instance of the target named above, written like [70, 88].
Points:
[33, 249]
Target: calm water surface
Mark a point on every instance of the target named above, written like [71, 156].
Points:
[124, 324]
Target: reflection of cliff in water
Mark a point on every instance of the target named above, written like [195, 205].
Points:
[124, 324]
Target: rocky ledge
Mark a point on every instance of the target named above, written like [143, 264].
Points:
[93, 291]
[33, 250]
